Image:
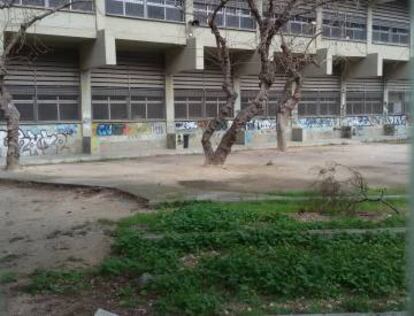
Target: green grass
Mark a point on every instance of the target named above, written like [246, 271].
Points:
[249, 258]
[7, 277]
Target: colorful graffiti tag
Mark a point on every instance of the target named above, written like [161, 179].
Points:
[42, 140]
[129, 129]
[356, 121]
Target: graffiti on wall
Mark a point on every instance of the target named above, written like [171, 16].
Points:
[356, 121]
[258, 125]
[129, 129]
[43, 140]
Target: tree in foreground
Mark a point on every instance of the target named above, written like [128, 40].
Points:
[13, 46]
[270, 22]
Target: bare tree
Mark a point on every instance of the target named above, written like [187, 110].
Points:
[13, 45]
[270, 23]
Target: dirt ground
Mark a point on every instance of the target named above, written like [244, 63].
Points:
[184, 176]
[50, 227]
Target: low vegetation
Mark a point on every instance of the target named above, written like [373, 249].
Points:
[251, 258]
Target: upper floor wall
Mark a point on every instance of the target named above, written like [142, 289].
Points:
[347, 28]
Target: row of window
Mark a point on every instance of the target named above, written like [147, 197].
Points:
[74, 5]
[231, 17]
[138, 108]
[47, 107]
[168, 10]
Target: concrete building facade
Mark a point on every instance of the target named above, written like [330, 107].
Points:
[136, 77]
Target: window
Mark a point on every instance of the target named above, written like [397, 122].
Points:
[33, 108]
[86, 5]
[127, 106]
[269, 109]
[390, 32]
[344, 26]
[201, 104]
[231, 17]
[168, 10]
[364, 102]
[319, 103]
[300, 25]
[398, 102]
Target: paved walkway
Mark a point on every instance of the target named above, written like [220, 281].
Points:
[247, 175]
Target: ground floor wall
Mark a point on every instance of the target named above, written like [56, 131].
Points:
[45, 140]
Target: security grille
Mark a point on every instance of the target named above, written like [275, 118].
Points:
[345, 20]
[319, 103]
[391, 23]
[198, 104]
[132, 90]
[46, 89]
[168, 10]
[364, 96]
[85, 6]
[235, 14]
[399, 102]
[268, 109]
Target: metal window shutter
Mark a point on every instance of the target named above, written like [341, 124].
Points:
[365, 84]
[138, 70]
[332, 83]
[353, 7]
[396, 12]
[199, 80]
[400, 85]
[252, 83]
[56, 70]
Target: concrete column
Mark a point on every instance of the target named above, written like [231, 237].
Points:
[369, 28]
[86, 109]
[343, 97]
[237, 104]
[386, 99]
[189, 16]
[319, 20]
[294, 115]
[100, 14]
[169, 103]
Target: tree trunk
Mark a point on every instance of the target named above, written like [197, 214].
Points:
[12, 116]
[282, 130]
[13, 150]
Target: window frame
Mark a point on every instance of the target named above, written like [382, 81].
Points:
[164, 4]
[344, 23]
[330, 99]
[361, 98]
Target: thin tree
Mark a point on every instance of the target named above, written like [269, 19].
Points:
[13, 45]
[270, 23]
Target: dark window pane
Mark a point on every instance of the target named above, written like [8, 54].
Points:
[232, 21]
[56, 3]
[134, 9]
[174, 14]
[138, 111]
[47, 112]
[114, 7]
[119, 111]
[40, 3]
[26, 111]
[247, 23]
[69, 112]
[180, 110]
[83, 6]
[100, 111]
[155, 12]
[195, 110]
[155, 111]
[211, 109]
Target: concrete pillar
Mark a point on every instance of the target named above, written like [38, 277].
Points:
[100, 14]
[237, 104]
[386, 99]
[86, 110]
[369, 27]
[294, 115]
[169, 103]
[342, 98]
[319, 20]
